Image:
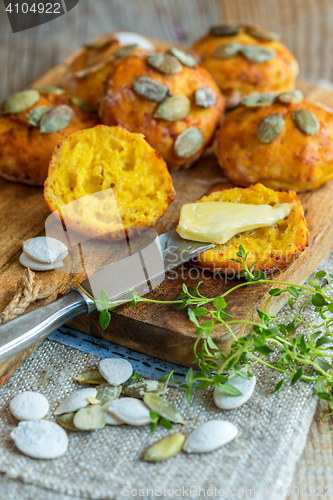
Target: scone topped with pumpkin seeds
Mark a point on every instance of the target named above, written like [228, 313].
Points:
[86, 73]
[282, 141]
[167, 97]
[244, 59]
[32, 123]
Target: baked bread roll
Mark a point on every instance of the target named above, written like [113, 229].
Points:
[94, 160]
[283, 145]
[246, 59]
[167, 97]
[33, 123]
[273, 247]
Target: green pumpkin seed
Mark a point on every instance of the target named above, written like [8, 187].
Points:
[91, 69]
[228, 50]
[291, 97]
[165, 63]
[270, 127]
[262, 34]
[165, 448]
[306, 121]
[97, 43]
[204, 97]
[256, 54]
[188, 142]
[107, 392]
[21, 101]
[125, 51]
[90, 418]
[66, 421]
[48, 89]
[257, 100]
[90, 377]
[57, 119]
[150, 89]
[183, 57]
[81, 103]
[174, 108]
[36, 114]
[224, 30]
[164, 408]
[139, 389]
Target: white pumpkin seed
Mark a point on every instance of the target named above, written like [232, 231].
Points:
[257, 100]
[164, 408]
[38, 266]
[224, 30]
[164, 63]
[270, 128]
[306, 121]
[125, 51]
[188, 142]
[129, 38]
[75, 401]
[228, 50]
[139, 389]
[256, 54]
[106, 393]
[21, 101]
[291, 97]
[29, 406]
[150, 89]
[115, 370]
[81, 103]
[111, 420]
[185, 58]
[262, 33]
[90, 418]
[210, 436]
[165, 448]
[174, 108]
[227, 402]
[66, 421]
[36, 114]
[130, 411]
[90, 377]
[205, 97]
[44, 249]
[49, 89]
[57, 119]
[41, 439]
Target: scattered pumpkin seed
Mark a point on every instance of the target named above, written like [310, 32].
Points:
[49, 89]
[66, 421]
[174, 108]
[257, 100]
[183, 57]
[256, 54]
[75, 401]
[81, 103]
[115, 370]
[165, 63]
[204, 97]
[97, 43]
[91, 69]
[90, 377]
[164, 408]
[93, 401]
[270, 127]
[36, 114]
[224, 30]
[306, 121]
[210, 436]
[150, 89]
[228, 50]
[291, 97]
[106, 393]
[56, 119]
[130, 411]
[90, 418]
[139, 389]
[262, 33]
[125, 51]
[165, 448]
[188, 142]
[21, 101]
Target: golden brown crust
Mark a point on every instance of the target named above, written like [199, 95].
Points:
[25, 152]
[237, 77]
[293, 160]
[91, 161]
[272, 247]
[120, 105]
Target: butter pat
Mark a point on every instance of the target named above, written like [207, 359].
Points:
[218, 221]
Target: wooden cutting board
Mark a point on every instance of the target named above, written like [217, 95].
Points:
[157, 330]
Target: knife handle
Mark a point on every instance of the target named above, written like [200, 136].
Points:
[29, 329]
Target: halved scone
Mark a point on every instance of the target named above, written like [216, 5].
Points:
[273, 247]
[121, 183]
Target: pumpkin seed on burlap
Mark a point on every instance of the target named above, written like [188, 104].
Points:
[164, 408]
[270, 128]
[36, 114]
[291, 97]
[262, 33]
[115, 370]
[81, 103]
[183, 57]
[228, 50]
[125, 51]
[150, 89]
[75, 401]
[57, 119]
[130, 411]
[139, 389]
[210, 436]
[90, 418]
[204, 97]
[188, 142]
[165, 63]
[174, 108]
[41, 439]
[165, 448]
[106, 393]
[306, 121]
[224, 30]
[21, 101]
[256, 54]
[257, 100]
[90, 377]
[66, 421]
[49, 89]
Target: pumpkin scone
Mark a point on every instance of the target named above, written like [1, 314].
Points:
[32, 124]
[86, 73]
[244, 59]
[272, 247]
[84, 167]
[284, 142]
[167, 97]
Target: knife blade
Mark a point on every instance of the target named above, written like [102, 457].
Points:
[146, 266]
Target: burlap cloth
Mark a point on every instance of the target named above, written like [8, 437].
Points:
[99, 464]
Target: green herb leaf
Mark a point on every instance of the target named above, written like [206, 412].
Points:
[275, 292]
[293, 291]
[219, 303]
[279, 385]
[104, 319]
[164, 422]
[298, 375]
[324, 340]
